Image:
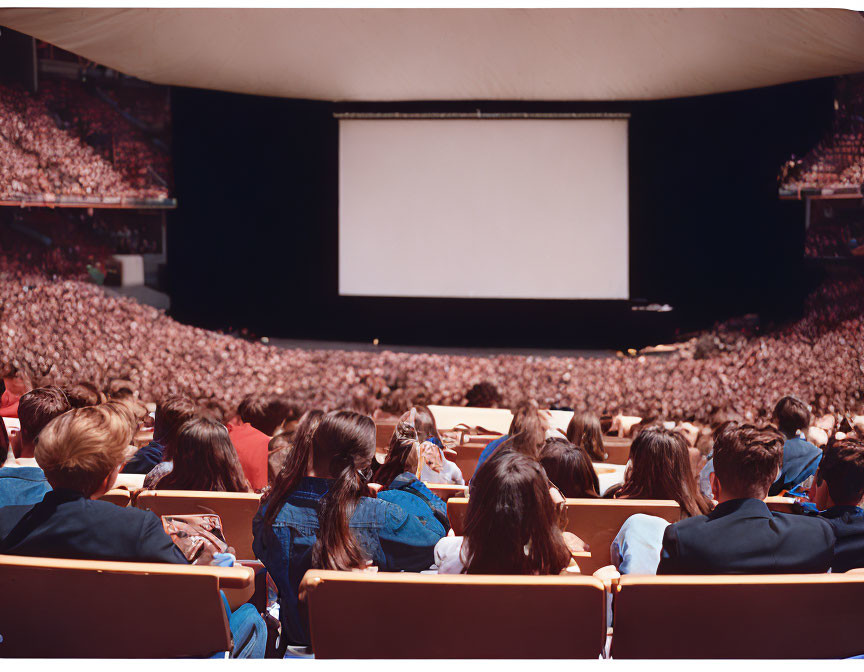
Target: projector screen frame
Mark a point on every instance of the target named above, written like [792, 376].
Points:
[478, 114]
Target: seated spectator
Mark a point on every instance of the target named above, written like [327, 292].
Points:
[741, 535]
[511, 525]
[659, 468]
[430, 440]
[203, 458]
[527, 422]
[837, 491]
[171, 413]
[398, 478]
[257, 412]
[322, 514]
[282, 445]
[584, 431]
[569, 468]
[22, 480]
[800, 457]
[83, 394]
[81, 452]
[15, 384]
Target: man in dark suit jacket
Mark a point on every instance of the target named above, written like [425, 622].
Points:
[741, 536]
[837, 492]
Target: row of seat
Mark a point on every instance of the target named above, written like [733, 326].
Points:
[141, 610]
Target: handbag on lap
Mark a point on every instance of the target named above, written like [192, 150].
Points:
[196, 535]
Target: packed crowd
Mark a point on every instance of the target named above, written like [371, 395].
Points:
[63, 142]
[334, 502]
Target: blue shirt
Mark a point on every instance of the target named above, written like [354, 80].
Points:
[22, 485]
[393, 539]
[489, 449]
[145, 459]
[414, 497]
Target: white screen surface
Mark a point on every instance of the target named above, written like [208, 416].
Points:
[465, 208]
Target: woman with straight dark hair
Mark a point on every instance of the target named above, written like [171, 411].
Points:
[321, 514]
[430, 440]
[204, 459]
[660, 469]
[511, 525]
[584, 431]
[569, 468]
[398, 476]
[526, 434]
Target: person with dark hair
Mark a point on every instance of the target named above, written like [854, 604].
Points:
[659, 468]
[800, 457]
[837, 491]
[203, 459]
[529, 427]
[431, 444]
[297, 458]
[584, 431]
[399, 481]
[322, 513]
[569, 468]
[171, 413]
[512, 525]
[22, 480]
[258, 412]
[83, 394]
[741, 535]
[483, 395]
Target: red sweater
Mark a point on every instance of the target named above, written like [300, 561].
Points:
[9, 405]
[251, 447]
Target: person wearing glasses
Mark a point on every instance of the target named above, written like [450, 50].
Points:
[323, 514]
[513, 524]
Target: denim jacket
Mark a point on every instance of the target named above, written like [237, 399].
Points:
[393, 539]
[413, 496]
[22, 485]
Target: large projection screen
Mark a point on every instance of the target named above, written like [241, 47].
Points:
[484, 208]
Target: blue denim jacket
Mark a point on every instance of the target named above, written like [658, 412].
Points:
[22, 485]
[413, 496]
[393, 539]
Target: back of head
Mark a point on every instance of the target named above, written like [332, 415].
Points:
[37, 408]
[483, 395]
[527, 430]
[204, 459]
[402, 456]
[569, 468]
[510, 510]
[842, 469]
[424, 423]
[296, 464]
[660, 469]
[80, 449]
[265, 412]
[172, 412]
[83, 394]
[342, 448]
[792, 415]
[747, 460]
[584, 431]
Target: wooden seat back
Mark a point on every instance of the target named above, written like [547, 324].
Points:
[55, 608]
[236, 509]
[731, 616]
[618, 450]
[496, 616]
[446, 491]
[595, 521]
[118, 496]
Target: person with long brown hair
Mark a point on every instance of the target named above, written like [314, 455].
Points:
[329, 519]
[512, 523]
[526, 434]
[287, 446]
[569, 468]
[399, 480]
[584, 431]
[204, 459]
[430, 440]
[660, 469]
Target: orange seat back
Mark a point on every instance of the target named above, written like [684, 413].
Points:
[491, 616]
[98, 609]
[738, 617]
[236, 510]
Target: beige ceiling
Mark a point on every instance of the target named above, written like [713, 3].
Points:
[453, 54]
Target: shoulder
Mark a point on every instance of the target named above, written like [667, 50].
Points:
[799, 524]
[798, 446]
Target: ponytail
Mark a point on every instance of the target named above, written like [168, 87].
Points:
[336, 547]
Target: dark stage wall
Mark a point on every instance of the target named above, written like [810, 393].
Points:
[253, 242]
